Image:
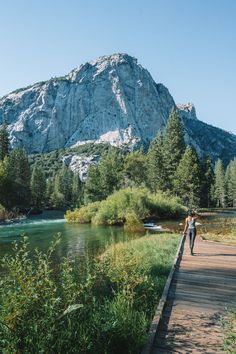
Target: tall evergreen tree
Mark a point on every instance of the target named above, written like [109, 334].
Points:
[230, 183]
[135, 168]
[219, 185]
[76, 190]
[4, 142]
[19, 172]
[104, 178]
[92, 188]
[207, 181]
[157, 173]
[62, 194]
[187, 178]
[6, 185]
[49, 192]
[174, 147]
[38, 187]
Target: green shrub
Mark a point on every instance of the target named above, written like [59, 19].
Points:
[132, 223]
[138, 201]
[229, 331]
[3, 213]
[84, 214]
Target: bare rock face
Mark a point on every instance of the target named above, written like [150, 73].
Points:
[112, 99]
[80, 163]
[187, 110]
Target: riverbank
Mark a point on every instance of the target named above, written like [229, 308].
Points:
[107, 307]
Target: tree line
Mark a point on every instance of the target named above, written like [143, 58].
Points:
[168, 165]
[22, 187]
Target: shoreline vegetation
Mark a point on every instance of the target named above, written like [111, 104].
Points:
[223, 230]
[99, 307]
[128, 207]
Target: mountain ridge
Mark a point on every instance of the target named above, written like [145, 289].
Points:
[111, 99]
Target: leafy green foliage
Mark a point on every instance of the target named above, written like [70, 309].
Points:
[118, 206]
[106, 306]
[228, 325]
[135, 169]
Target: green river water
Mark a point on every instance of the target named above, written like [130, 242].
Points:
[85, 241]
[76, 239]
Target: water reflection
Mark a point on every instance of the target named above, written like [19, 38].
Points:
[76, 240]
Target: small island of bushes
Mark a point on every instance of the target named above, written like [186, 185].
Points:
[128, 206]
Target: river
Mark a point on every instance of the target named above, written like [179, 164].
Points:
[76, 239]
[85, 241]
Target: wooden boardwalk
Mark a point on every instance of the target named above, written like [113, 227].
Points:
[203, 286]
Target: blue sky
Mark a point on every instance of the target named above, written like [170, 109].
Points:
[188, 45]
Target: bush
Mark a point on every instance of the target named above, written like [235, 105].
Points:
[3, 213]
[133, 223]
[84, 214]
[127, 202]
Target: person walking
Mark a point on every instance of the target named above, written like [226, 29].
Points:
[190, 228]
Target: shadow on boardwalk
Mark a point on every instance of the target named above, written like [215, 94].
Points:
[203, 287]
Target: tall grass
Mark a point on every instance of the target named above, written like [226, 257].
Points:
[105, 307]
[229, 331]
[219, 230]
[138, 201]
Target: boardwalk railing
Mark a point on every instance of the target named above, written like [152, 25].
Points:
[158, 313]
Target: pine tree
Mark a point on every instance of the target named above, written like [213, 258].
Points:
[62, 193]
[230, 183]
[4, 142]
[19, 173]
[76, 190]
[219, 185]
[38, 187]
[104, 178]
[187, 178]
[207, 181]
[6, 185]
[49, 192]
[174, 147]
[92, 189]
[135, 168]
[157, 174]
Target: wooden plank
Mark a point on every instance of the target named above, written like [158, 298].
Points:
[160, 307]
[201, 289]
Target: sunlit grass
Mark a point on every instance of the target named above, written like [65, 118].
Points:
[219, 230]
[106, 307]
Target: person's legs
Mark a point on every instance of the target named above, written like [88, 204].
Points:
[190, 235]
[194, 233]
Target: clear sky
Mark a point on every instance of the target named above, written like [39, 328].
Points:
[188, 45]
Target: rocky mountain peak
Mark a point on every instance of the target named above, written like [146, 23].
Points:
[112, 99]
[187, 110]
